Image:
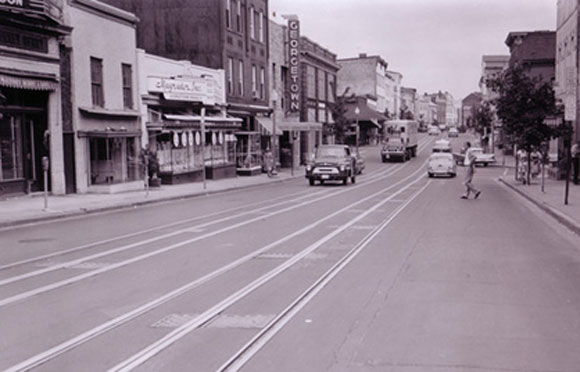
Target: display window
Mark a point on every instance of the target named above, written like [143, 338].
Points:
[178, 152]
[11, 148]
[115, 160]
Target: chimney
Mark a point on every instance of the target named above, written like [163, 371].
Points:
[362, 55]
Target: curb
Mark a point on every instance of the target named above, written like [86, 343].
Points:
[570, 223]
[94, 210]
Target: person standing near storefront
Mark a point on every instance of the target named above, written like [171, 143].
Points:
[576, 161]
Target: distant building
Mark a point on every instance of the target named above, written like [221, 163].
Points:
[409, 101]
[535, 51]
[426, 110]
[365, 76]
[491, 66]
[394, 80]
[446, 110]
[469, 106]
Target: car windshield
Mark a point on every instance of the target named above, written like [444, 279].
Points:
[330, 151]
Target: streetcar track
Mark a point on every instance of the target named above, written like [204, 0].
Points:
[242, 356]
[114, 323]
[380, 176]
[174, 336]
[307, 194]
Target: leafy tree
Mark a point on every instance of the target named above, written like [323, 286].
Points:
[482, 121]
[338, 110]
[522, 105]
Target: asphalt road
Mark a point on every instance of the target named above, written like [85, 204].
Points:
[393, 273]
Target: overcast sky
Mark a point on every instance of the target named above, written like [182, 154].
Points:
[435, 44]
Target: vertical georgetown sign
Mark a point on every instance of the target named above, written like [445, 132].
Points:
[14, 4]
[294, 42]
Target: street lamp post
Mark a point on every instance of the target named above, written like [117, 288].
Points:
[356, 114]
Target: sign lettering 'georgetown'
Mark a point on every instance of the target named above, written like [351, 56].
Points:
[294, 40]
[19, 4]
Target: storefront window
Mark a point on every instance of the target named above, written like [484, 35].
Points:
[179, 151]
[10, 148]
[114, 160]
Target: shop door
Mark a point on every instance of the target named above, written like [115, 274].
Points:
[36, 145]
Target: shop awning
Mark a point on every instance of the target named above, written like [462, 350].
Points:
[366, 114]
[28, 80]
[109, 133]
[103, 112]
[300, 126]
[267, 126]
[178, 121]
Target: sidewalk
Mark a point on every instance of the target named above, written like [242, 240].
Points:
[30, 208]
[551, 200]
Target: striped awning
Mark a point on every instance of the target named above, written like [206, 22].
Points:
[27, 80]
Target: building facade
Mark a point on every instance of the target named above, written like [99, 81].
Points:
[567, 82]
[30, 97]
[491, 66]
[365, 76]
[394, 80]
[426, 110]
[229, 35]
[176, 98]
[469, 106]
[535, 51]
[409, 101]
[104, 115]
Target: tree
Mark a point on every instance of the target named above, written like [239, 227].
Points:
[522, 105]
[482, 121]
[338, 110]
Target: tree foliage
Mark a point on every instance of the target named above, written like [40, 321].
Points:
[338, 110]
[522, 105]
[482, 120]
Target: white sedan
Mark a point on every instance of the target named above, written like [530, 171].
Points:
[441, 164]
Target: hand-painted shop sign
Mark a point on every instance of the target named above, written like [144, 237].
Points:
[190, 90]
[294, 43]
[15, 4]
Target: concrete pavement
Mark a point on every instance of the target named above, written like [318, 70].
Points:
[550, 199]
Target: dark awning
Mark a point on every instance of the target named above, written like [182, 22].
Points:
[175, 121]
[109, 133]
[11, 78]
[268, 126]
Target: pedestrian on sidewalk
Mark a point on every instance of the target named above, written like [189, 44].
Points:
[576, 161]
[469, 162]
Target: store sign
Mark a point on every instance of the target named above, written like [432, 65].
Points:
[189, 90]
[294, 43]
[15, 4]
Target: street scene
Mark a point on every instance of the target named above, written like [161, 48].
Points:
[236, 185]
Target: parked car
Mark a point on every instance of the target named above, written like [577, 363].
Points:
[359, 160]
[441, 164]
[332, 163]
[482, 158]
[453, 132]
[433, 130]
[442, 127]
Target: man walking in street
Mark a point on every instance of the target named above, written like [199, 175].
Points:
[469, 162]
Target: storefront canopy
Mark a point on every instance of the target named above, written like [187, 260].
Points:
[16, 79]
[366, 114]
[267, 126]
[177, 121]
[298, 126]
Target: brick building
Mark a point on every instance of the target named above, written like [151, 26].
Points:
[468, 107]
[535, 51]
[231, 35]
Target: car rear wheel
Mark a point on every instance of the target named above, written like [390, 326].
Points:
[430, 175]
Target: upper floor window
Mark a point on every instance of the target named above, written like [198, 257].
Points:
[230, 75]
[262, 83]
[254, 81]
[229, 13]
[127, 72]
[261, 31]
[239, 16]
[252, 23]
[241, 78]
[97, 82]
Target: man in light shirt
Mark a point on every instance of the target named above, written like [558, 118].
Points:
[469, 162]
